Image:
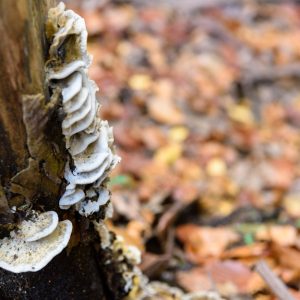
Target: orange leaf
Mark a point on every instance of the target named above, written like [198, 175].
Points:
[201, 242]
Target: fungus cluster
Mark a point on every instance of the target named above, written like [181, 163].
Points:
[89, 139]
[34, 243]
[120, 259]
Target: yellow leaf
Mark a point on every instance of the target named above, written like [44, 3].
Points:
[216, 167]
[140, 82]
[225, 208]
[291, 203]
[178, 134]
[168, 154]
[241, 113]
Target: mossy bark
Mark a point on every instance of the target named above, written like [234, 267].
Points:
[32, 158]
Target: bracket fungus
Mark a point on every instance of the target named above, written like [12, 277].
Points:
[39, 226]
[91, 157]
[34, 243]
[89, 140]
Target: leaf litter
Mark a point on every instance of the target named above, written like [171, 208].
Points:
[205, 103]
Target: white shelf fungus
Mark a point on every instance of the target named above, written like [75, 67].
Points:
[35, 243]
[39, 226]
[88, 139]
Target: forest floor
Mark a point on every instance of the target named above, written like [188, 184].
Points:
[205, 105]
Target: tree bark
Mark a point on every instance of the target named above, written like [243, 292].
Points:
[32, 159]
[29, 168]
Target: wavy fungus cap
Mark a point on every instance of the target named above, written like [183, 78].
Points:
[35, 244]
[37, 227]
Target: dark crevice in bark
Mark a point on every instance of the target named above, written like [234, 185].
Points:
[59, 280]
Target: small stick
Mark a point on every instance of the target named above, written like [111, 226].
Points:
[273, 281]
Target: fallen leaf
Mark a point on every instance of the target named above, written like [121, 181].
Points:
[287, 257]
[241, 113]
[246, 251]
[154, 264]
[186, 192]
[93, 21]
[194, 280]
[118, 18]
[162, 107]
[153, 138]
[168, 154]
[291, 204]
[278, 173]
[229, 277]
[188, 169]
[127, 136]
[132, 234]
[202, 242]
[284, 235]
[178, 134]
[140, 82]
[216, 167]
[164, 111]
[122, 200]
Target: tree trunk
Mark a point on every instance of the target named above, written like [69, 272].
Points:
[32, 159]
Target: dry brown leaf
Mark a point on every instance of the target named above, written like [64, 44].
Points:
[188, 170]
[287, 257]
[284, 235]
[122, 200]
[162, 107]
[154, 264]
[132, 234]
[164, 111]
[229, 277]
[119, 18]
[278, 173]
[127, 135]
[202, 242]
[153, 137]
[186, 192]
[93, 21]
[194, 280]
[246, 251]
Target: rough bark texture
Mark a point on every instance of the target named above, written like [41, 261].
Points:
[32, 158]
[73, 276]
[31, 152]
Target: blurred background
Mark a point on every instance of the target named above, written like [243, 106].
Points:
[204, 98]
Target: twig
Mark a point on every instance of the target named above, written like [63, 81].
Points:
[168, 218]
[255, 74]
[190, 4]
[274, 283]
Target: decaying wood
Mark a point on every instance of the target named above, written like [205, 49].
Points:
[32, 159]
[26, 142]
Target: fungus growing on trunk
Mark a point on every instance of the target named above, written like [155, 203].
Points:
[36, 241]
[88, 139]
[38, 226]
